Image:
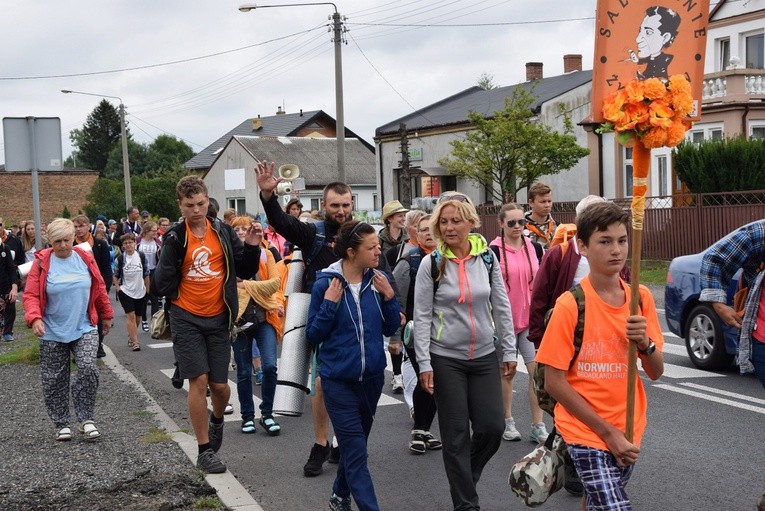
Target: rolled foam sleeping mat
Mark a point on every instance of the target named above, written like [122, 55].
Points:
[292, 383]
[295, 274]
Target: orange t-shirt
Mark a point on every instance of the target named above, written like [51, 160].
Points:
[599, 374]
[203, 274]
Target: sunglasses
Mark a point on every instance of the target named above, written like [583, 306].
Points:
[447, 196]
[521, 223]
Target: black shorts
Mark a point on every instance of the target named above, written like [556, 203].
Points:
[129, 305]
[201, 345]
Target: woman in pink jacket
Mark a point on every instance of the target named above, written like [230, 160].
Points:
[519, 264]
[64, 298]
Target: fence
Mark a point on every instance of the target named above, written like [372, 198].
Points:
[674, 225]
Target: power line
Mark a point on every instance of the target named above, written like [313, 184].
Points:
[498, 24]
[150, 66]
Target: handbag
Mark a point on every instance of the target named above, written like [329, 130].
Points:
[159, 327]
[540, 473]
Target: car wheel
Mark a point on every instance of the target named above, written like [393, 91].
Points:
[704, 340]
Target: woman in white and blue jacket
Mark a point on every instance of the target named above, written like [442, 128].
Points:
[352, 307]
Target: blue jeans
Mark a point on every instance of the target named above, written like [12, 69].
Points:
[265, 339]
[351, 407]
[758, 359]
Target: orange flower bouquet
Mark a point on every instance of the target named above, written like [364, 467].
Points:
[651, 111]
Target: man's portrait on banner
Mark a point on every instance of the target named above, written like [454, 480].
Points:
[657, 32]
[641, 39]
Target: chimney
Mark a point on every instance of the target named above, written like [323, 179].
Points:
[279, 111]
[572, 62]
[257, 123]
[533, 71]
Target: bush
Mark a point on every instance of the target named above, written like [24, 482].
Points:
[722, 165]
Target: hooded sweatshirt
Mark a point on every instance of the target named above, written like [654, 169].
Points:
[350, 333]
[460, 320]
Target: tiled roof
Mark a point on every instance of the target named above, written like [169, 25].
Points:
[273, 126]
[316, 157]
[454, 109]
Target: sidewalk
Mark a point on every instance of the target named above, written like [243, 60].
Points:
[141, 462]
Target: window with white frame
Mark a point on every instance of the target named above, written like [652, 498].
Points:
[757, 130]
[702, 132]
[628, 172]
[238, 204]
[661, 163]
[723, 54]
[755, 51]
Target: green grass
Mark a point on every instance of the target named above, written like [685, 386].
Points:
[653, 272]
[208, 503]
[24, 351]
[155, 436]
[143, 413]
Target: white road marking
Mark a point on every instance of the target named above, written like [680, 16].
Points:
[721, 392]
[158, 345]
[714, 399]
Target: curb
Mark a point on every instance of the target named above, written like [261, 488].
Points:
[230, 491]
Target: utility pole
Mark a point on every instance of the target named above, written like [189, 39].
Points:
[125, 160]
[405, 176]
[337, 39]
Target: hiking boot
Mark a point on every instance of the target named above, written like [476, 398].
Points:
[100, 353]
[209, 462]
[319, 454]
[511, 432]
[417, 442]
[339, 503]
[539, 433]
[397, 384]
[215, 435]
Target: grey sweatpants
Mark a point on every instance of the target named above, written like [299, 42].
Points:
[54, 372]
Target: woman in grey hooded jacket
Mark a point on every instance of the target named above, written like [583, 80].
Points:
[455, 318]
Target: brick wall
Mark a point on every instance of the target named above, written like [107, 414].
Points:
[57, 189]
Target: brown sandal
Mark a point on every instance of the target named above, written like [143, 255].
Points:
[134, 346]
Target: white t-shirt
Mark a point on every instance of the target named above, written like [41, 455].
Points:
[132, 276]
[149, 250]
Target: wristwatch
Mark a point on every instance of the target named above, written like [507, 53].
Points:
[649, 349]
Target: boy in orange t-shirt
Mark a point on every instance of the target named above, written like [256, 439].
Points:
[591, 387]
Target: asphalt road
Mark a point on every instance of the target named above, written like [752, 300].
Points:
[703, 449]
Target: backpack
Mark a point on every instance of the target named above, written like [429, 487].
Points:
[435, 259]
[563, 233]
[545, 400]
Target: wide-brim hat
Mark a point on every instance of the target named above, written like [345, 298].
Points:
[391, 208]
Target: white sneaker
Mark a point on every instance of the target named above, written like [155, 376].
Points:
[511, 432]
[539, 433]
[397, 384]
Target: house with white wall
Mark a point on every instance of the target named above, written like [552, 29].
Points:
[432, 128]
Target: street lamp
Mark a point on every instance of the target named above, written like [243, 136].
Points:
[125, 161]
[337, 28]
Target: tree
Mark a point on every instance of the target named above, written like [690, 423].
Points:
[724, 165]
[486, 81]
[136, 155]
[511, 150]
[167, 153]
[156, 194]
[99, 135]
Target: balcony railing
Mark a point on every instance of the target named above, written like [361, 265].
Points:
[734, 85]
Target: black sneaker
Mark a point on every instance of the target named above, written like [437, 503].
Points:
[334, 455]
[100, 353]
[215, 435]
[319, 454]
[209, 462]
[339, 503]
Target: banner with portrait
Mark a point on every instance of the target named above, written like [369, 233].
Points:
[639, 39]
